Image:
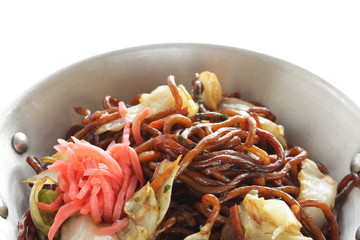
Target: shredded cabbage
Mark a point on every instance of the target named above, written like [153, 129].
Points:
[42, 219]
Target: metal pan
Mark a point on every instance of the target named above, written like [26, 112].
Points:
[316, 116]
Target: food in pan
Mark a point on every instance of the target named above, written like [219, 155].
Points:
[176, 164]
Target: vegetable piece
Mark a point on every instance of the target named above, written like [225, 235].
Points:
[204, 233]
[163, 193]
[113, 228]
[266, 124]
[221, 117]
[277, 130]
[161, 98]
[50, 177]
[64, 213]
[235, 104]
[136, 125]
[142, 212]
[143, 209]
[54, 157]
[139, 229]
[52, 204]
[40, 221]
[167, 188]
[316, 185]
[120, 201]
[212, 94]
[160, 179]
[118, 124]
[70, 229]
[85, 150]
[97, 182]
[129, 153]
[159, 124]
[158, 100]
[125, 117]
[109, 199]
[135, 163]
[147, 208]
[268, 219]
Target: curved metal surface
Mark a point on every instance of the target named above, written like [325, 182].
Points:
[315, 115]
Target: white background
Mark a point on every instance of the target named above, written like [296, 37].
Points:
[39, 37]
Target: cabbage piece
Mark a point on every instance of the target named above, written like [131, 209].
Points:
[268, 219]
[163, 195]
[42, 219]
[266, 124]
[204, 233]
[81, 227]
[276, 129]
[234, 103]
[316, 185]
[161, 99]
[146, 209]
[118, 124]
[47, 196]
[143, 210]
[51, 177]
[55, 157]
[158, 100]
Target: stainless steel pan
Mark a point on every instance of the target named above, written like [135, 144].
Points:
[315, 115]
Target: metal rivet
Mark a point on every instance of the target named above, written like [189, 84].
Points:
[355, 163]
[357, 235]
[3, 209]
[20, 142]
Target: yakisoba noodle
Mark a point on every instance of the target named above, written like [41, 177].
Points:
[230, 157]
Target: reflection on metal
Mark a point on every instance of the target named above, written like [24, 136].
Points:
[20, 142]
[357, 236]
[3, 209]
[355, 163]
